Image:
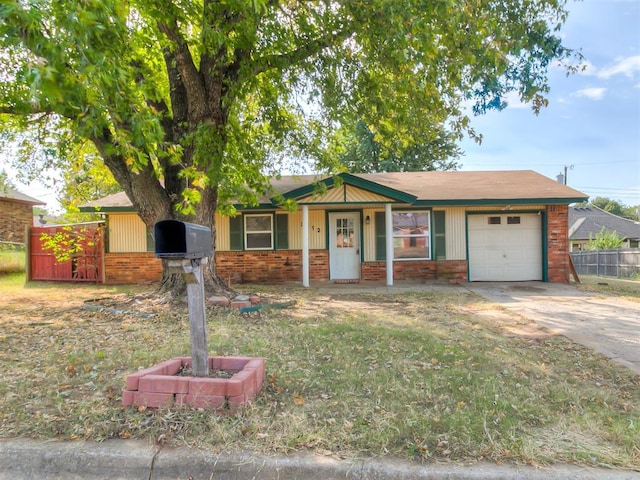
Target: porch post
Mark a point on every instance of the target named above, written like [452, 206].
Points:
[305, 245]
[388, 221]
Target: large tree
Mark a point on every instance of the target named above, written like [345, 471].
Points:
[193, 103]
[361, 152]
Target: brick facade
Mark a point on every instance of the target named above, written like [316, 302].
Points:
[452, 270]
[123, 268]
[285, 266]
[15, 217]
[558, 243]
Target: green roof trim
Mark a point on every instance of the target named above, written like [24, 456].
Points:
[348, 179]
[98, 209]
[498, 201]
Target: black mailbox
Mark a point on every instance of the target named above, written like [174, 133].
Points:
[176, 239]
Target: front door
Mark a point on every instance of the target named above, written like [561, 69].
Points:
[344, 246]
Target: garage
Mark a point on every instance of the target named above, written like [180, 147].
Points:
[504, 247]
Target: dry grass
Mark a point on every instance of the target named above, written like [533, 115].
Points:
[432, 377]
[607, 286]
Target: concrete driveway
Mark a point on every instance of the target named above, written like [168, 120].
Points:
[610, 326]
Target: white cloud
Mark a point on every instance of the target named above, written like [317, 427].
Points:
[625, 66]
[594, 93]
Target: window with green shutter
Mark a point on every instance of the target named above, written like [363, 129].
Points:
[282, 231]
[235, 230]
[439, 244]
[381, 244]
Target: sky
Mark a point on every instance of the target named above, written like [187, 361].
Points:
[592, 123]
[591, 127]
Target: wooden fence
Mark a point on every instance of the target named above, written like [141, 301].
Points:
[85, 265]
[608, 263]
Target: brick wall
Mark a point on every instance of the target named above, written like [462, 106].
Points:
[270, 266]
[281, 266]
[454, 270]
[558, 243]
[14, 219]
[265, 266]
[123, 268]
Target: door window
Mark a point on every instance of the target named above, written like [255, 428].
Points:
[345, 233]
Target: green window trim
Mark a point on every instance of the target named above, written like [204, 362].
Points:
[280, 226]
[438, 229]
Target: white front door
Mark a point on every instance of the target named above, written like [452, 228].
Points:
[344, 246]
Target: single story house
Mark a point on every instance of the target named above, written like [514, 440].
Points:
[458, 226]
[587, 221]
[16, 214]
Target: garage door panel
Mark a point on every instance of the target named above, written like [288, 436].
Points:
[500, 250]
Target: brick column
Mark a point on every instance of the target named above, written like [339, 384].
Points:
[558, 243]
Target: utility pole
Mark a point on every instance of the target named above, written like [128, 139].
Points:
[569, 167]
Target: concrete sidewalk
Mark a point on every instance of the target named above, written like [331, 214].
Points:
[130, 460]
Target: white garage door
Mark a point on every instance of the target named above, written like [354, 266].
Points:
[505, 247]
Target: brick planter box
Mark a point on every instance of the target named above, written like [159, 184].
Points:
[163, 386]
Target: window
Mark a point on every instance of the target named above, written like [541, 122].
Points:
[494, 220]
[411, 235]
[258, 232]
[513, 220]
[345, 228]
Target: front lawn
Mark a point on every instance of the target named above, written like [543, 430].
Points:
[429, 377]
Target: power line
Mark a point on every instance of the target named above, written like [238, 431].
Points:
[607, 189]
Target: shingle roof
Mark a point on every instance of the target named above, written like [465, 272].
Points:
[7, 193]
[485, 185]
[588, 221]
[438, 187]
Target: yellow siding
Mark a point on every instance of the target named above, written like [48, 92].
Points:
[345, 194]
[455, 233]
[127, 233]
[317, 230]
[295, 230]
[369, 234]
[223, 235]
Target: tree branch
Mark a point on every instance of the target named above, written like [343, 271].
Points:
[302, 53]
[189, 77]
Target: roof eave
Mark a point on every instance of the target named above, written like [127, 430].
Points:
[98, 209]
[353, 180]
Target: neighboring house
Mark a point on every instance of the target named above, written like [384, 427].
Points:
[459, 226]
[586, 222]
[16, 214]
